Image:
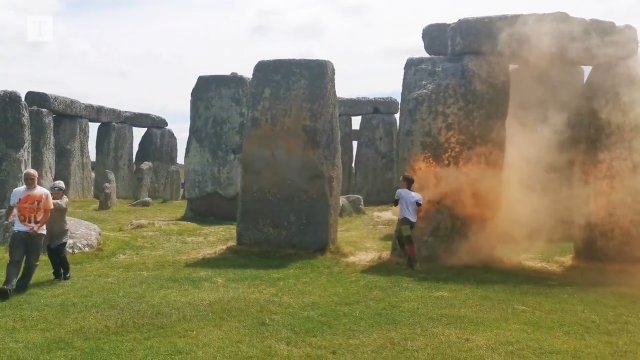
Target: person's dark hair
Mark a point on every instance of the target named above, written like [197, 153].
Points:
[408, 179]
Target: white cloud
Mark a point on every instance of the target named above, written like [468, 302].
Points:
[146, 55]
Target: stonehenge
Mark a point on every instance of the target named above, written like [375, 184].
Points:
[365, 106]
[291, 167]
[158, 146]
[114, 152]
[57, 139]
[43, 151]
[605, 132]
[381, 125]
[375, 173]
[453, 131]
[61, 105]
[172, 186]
[73, 163]
[499, 115]
[483, 142]
[15, 143]
[142, 177]
[219, 111]
[552, 38]
[109, 194]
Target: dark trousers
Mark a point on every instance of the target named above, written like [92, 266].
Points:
[404, 227]
[58, 257]
[23, 246]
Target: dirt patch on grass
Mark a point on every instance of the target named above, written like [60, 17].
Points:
[384, 216]
[366, 257]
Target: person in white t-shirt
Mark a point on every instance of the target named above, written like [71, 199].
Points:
[409, 203]
[32, 205]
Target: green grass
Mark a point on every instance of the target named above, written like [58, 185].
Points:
[180, 291]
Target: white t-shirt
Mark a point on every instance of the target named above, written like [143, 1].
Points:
[29, 206]
[407, 203]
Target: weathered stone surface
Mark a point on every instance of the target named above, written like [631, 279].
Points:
[543, 38]
[109, 193]
[289, 197]
[436, 40]
[356, 202]
[114, 152]
[355, 136]
[142, 180]
[346, 152]
[43, 147]
[146, 202]
[15, 143]
[452, 138]
[102, 114]
[172, 186]
[365, 106]
[83, 236]
[375, 164]
[219, 111]
[605, 130]
[143, 120]
[345, 208]
[159, 147]
[59, 105]
[73, 164]
[5, 228]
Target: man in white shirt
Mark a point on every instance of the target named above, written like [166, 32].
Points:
[29, 209]
[409, 203]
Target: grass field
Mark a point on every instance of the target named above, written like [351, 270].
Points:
[181, 290]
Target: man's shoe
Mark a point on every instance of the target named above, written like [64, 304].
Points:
[66, 277]
[5, 293]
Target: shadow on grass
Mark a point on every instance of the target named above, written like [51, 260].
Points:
[234, 257]
[470, 275]
[205, 221]
[583, 275]
[387, 237]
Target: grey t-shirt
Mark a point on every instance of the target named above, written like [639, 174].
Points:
[57, 228]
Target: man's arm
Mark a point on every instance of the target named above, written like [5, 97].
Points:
[60, 204]
[396, 202]
[8, 215]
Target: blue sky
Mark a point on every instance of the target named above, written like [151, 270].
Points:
[145, 55]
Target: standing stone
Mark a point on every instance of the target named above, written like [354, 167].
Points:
[114, 152]
[73, 164]
[172, 186]
[605, 132]
[537, 175]
[142, 180]
[291, 170]
[43, 148]
[219, 113]
[15, 143]
[346, 152]
[452, 139]
[109, 194]
[375, 164]
[160, 147]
